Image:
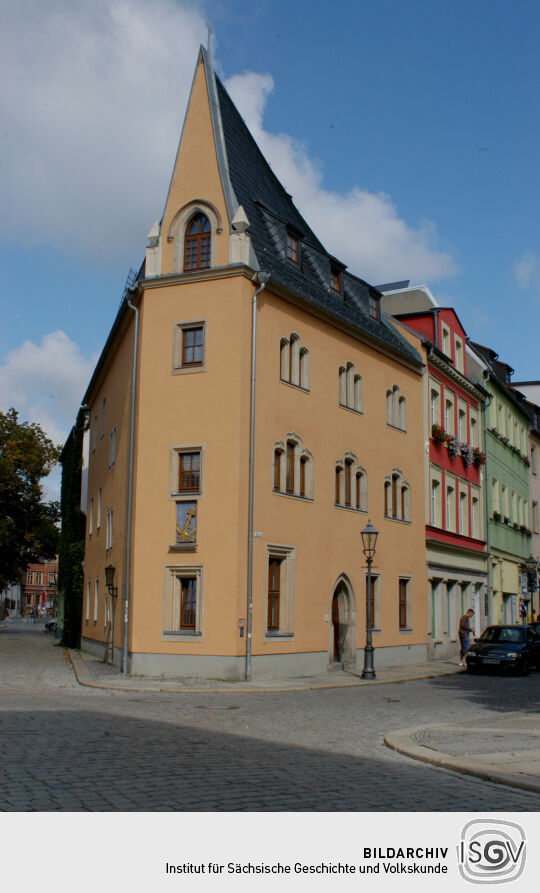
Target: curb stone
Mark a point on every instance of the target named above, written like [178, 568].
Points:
[402, 742]
[85, 677]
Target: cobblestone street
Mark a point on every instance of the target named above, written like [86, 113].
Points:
[66, 747]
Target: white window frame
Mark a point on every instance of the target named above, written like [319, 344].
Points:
[458, 354]
[112, 446]
[96, 599]
[473, 422]
[449, 416]
[450, 503]
[463, 510]
[434, 402]
[109, 530]
[463, 432]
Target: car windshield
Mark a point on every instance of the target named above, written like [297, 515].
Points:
[502, 634]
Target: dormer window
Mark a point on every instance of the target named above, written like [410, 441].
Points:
[197, 244]
[335, 279]
[373, 307]
[292, 249]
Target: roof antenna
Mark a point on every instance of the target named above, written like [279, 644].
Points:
[209, 39]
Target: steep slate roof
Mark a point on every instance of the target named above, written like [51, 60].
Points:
[272, 214]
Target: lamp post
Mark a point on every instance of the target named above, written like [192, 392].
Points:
[532, 579]
[369, 541]
[113, 592]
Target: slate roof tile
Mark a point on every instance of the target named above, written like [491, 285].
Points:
[271, 212]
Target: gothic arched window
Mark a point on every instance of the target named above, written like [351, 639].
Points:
[197, 244]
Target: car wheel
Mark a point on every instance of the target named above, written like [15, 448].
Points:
[524, 668]
[471, 669]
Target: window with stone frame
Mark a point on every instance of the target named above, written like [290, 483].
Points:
[182, 602]
[397, 497]
[350, 483]
[350, 388]
[292, 468]
[280, 591]
[189, 346]
[294, 361]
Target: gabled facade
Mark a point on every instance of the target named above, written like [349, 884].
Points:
[39, 588]
[252, 408]
[531, 391]
[455, 529]
[508, 496]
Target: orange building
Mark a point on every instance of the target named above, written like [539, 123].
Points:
[251, 409]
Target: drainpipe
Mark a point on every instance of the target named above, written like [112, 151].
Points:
[485, 404]
[130, 487]
[435, 312]
[263, 279]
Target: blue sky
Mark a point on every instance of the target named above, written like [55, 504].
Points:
[408, 133]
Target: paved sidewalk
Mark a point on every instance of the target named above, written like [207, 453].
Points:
[92, 672]
[506, 752]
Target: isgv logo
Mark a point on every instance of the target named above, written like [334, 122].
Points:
[491, 851]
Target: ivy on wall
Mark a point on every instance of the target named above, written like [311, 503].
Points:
[72, 535]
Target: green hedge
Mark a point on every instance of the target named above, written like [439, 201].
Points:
[72, 535]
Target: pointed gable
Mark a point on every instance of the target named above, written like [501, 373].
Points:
[197, 183]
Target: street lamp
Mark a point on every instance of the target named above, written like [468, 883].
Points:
[531, 566]
[109, 580]
[113, 592]
[369, 541]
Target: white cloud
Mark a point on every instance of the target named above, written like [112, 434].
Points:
[527, 272]
[92, 104]
[89, 129]
[46, 382]
[362, 228]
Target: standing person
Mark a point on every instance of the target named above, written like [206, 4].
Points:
[465, 629]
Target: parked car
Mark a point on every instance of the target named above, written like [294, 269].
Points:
[505, 647]
[50, 625]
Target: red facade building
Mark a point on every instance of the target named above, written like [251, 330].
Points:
[39, 589]
[455, 523]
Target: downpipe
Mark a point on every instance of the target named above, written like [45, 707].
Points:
[263, 279]
[130, 488]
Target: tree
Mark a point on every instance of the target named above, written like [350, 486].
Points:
[28, 526]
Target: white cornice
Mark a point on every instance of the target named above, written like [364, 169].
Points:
[451, 372]
[227, 272]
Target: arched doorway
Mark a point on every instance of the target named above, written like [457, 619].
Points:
[342, 651]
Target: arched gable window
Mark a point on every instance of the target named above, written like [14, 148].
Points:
[197, 243]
